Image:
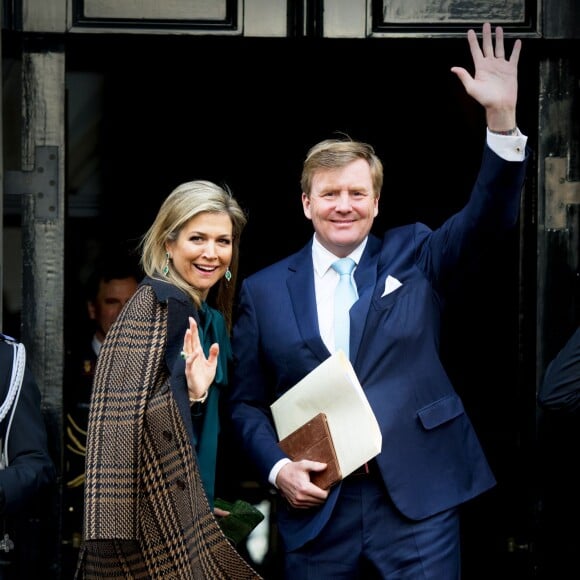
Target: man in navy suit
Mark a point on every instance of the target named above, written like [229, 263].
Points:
[398, 516]
[559, 437]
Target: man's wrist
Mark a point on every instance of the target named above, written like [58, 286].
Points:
[507, 133]
[276, 470]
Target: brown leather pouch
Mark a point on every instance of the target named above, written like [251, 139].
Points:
[313, 441]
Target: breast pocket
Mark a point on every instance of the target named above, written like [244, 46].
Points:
[441, 411]
[389, 300]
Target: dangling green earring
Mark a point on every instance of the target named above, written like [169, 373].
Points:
[166, 267]
[228, 275]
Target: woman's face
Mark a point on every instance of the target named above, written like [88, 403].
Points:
[203, 250]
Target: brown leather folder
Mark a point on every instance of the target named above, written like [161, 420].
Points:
[313, 441]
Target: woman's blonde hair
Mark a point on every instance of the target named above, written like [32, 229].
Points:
[182, 204]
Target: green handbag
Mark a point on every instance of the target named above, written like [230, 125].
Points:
[242, 519]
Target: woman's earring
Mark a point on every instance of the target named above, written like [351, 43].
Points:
[228, 275]
[166, 266]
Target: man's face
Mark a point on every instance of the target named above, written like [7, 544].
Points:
[111, 298]
[342, 206]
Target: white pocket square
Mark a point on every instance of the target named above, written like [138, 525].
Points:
[391, 284]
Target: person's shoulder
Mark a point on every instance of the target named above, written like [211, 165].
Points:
[9, 339]
[575, 336]
[144, 294]
[162, 290]
[570, 352]
[7, 342]
[81, 353]
[404, 234]
[282, 266]
[146, 301]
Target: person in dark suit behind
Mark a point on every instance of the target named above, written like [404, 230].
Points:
[112, 282]
[26, 468]
[559, 428]
[560, 388]
[398, 518]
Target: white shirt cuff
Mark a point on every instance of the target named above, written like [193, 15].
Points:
[276, 469]
[508, 147]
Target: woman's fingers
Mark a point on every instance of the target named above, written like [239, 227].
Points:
[191, 339]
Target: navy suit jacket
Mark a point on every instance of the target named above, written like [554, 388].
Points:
[560, 388]
[431, 459]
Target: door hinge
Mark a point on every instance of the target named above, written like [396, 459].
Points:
[560, 193]
[41, 182]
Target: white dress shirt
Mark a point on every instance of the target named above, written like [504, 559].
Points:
[325, 281]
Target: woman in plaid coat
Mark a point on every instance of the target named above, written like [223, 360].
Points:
[153, 422]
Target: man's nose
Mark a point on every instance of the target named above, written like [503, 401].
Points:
[343, 201]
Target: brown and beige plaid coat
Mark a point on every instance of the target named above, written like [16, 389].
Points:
[146, 513]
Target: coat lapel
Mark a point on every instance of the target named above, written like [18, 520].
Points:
[365, 277]
[179, 308]
[303, 298]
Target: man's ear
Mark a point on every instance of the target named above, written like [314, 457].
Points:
[306, 206]
[91, 310]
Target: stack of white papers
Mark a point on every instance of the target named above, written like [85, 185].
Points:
[333, 388]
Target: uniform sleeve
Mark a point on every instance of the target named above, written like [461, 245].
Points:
[560, 388]
[30, 468]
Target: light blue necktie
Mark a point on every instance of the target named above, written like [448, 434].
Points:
[345, 296]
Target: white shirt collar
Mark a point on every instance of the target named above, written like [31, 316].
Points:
[96, 344]
[322, 259]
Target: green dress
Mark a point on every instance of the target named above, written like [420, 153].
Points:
[212, 328]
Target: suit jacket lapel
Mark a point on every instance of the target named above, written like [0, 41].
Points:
[302, 296]
[365, 277]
